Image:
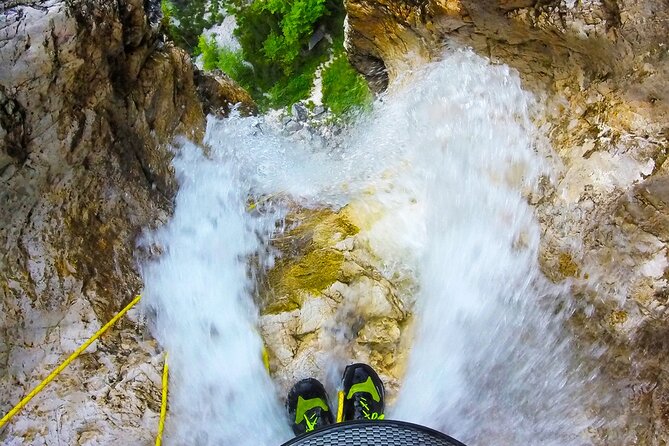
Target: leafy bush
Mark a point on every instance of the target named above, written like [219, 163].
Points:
[285, 91]
[184, 20]
[297, 25]
[274, 36]
[275, 63]
[230, 62]
[275, 32]
[343, 87]
[291, 89]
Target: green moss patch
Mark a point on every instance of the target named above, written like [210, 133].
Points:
[344, 89]
[314, 272]
[309, 262]
[567, 266]
[291, 281]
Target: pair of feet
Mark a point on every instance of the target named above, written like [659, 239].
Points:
[361, 398]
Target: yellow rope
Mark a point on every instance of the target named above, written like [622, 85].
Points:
[61, 367]
[340, 406]
[163, 405]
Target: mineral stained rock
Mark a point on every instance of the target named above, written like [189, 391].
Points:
[325, 303]
[220, 94]
[90, 96]
[600, 70]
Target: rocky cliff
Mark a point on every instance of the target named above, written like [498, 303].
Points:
[90, 97]
[599, 70]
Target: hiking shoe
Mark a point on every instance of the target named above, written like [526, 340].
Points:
[308, 406]
[363, 393]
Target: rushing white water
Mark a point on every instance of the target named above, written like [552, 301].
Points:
[448, 158]
[490, 362]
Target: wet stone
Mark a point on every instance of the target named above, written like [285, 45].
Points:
[299, 112]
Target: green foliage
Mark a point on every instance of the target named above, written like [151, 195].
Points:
[344, 88]
[284, 92]
[275, 63]
[230, 62]
[292, 89]
[184, 20]
[297, 24]
[274, 36]
[167, 8]
[209, 52]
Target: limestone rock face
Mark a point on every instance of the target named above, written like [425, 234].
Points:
[601, 74]
[385, 38]
[220, 94]
[325, 304]
[90, 96]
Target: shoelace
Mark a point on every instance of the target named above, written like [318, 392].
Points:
[311, 424]
[366, 413]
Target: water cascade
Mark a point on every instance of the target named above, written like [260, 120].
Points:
[450, 153]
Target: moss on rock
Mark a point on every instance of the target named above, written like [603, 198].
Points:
[617, 317]
[315, 271]
[567, 266]
[309, 263]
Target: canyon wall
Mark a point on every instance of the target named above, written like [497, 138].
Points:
[599, 71]
[90, 98]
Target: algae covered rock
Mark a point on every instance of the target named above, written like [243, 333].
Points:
[322, 307]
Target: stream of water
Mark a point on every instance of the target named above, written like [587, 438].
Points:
[448, 154]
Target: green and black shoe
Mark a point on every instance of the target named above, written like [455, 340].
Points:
[363, 393]
[308, 406]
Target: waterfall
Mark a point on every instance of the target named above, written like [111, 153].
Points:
[450, 154]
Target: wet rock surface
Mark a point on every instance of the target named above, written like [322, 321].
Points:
[326, 304]
[220, 94]
[90, 97]
[599, 71]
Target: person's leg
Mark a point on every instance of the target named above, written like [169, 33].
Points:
[363, 394]
[308, 406]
